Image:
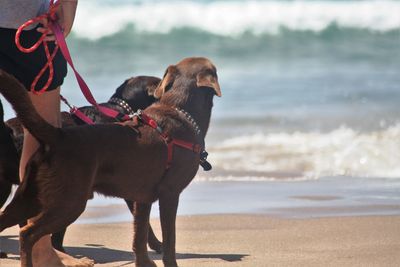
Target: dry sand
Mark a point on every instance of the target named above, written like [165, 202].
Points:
[243, 240]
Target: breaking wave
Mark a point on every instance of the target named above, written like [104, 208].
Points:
[302, 155]
[96, 19]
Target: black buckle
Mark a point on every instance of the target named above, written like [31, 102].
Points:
[203, 161]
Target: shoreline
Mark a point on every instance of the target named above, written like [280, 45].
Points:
[325, 197]
[242, 240]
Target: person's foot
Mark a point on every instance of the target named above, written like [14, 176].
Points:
[40, 258]
[44, 255]
[70, 261]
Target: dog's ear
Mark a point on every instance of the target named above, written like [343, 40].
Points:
[152, 84]
[208, 79]
[151, 89]
[167, 82]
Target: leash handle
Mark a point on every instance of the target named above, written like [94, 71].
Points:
[61, 44]
[51, 16]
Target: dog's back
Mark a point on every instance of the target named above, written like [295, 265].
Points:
[128, 154]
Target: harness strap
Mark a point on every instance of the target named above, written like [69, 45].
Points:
[152, 123]
[171, 142]
[196, 148]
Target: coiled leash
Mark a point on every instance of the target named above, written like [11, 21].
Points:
[51, 16]
[61, 44]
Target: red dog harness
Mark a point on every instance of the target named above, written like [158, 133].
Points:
[171, 142]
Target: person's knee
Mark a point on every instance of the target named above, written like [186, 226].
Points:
[52, 117]
[48, 106]
[54, 120]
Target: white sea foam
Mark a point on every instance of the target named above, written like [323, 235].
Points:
[236, 178]
[312, 155]
[232, 18]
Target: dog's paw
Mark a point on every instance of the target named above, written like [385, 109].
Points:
[3, 255]
[148, 263]
[156, 246]
[170, 264]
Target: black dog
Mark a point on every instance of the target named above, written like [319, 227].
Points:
[135, 93]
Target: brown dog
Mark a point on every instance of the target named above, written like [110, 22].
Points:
[130, 163]
[9, 160]
[135, 93]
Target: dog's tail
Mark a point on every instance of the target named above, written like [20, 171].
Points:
[16, 94]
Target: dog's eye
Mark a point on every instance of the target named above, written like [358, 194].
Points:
[210, 72]
[169, 86]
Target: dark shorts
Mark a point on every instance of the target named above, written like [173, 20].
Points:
[26, 66]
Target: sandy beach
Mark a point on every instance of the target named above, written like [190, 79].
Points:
[243, 240]
[304, 143]
[325, 222]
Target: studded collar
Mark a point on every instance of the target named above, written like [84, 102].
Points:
[121, 103]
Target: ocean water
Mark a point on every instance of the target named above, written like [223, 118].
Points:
[311, 89]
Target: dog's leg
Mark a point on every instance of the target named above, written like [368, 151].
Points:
[37, 227]
[153, 241]
[57, 240]
[26, 244]
[5, 190]
[50, 220]
[131, 206]
[24, 204]
[21, 207]
[168, 209]
[30, 234]
[141, 225]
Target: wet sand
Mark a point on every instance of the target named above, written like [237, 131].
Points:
[242, 240]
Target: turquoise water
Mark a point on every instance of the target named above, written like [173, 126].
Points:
[310, 88]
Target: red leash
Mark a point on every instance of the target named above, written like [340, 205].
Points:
[62, 45]
[75, 111]
[52, 17]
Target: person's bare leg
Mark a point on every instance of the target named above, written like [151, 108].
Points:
[43, 253]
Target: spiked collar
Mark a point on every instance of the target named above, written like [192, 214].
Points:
[190, 119]
[122, 104]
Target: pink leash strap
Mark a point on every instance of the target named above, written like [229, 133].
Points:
[74, 110]
[82, 84]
